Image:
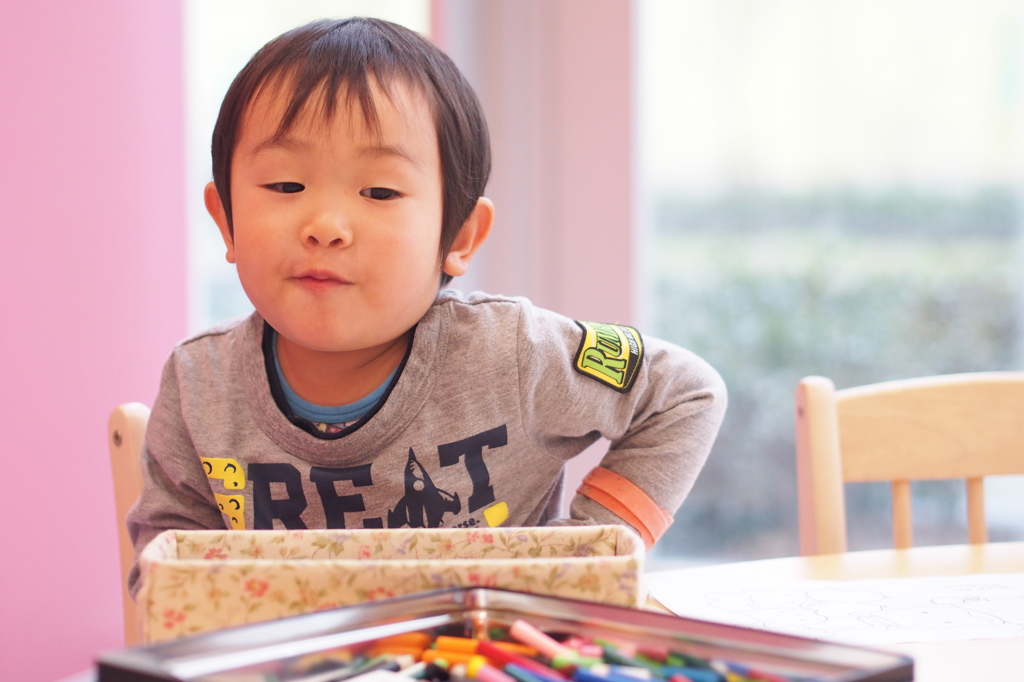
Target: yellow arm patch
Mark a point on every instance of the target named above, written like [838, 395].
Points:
[225, 469]
[233, 507]
[497, 514]
[610, 353]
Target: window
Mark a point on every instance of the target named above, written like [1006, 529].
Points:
[831, 188]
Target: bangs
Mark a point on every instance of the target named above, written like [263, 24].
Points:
[340, 66]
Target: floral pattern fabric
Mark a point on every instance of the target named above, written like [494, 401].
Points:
[196, 581]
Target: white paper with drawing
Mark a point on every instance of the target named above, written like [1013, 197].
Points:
[983, 606]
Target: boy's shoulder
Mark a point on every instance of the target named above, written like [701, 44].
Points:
[480, 309]
[482, 303]
[455, 297]
[491, 320]
[225, 330]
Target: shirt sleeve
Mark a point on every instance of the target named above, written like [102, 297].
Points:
[176, 493]
[660, 414]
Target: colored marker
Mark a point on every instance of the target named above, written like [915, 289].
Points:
[569, 663]
[505, 658]
[435, 671]
[614, 656]
[469, 645]
[623, 647]
[458, 673]
[678, 660]
[679, 677]
[726, 672]
[632, 671]
[608, 675]
[484, 672]
[695, 674]
[654, 653]
[451, 657]
[521, 674]
[542, 642]
[379, 649]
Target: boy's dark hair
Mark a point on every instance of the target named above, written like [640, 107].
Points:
[325, 55]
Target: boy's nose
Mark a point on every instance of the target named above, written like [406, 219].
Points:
[327, 229]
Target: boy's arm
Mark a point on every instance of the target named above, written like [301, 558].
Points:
[661, 424]
[175, 491]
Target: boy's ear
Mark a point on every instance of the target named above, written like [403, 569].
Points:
[216, 210]
[471, 237]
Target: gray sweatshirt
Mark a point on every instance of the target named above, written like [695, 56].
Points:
[492, 399]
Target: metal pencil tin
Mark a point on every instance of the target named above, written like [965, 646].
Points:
[265, 650]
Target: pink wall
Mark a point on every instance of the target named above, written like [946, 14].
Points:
[92, 254]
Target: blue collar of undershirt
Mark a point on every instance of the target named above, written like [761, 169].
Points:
[327, 414]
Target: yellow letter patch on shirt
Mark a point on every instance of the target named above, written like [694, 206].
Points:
[224, 469]
[610, 353]
[232, 506]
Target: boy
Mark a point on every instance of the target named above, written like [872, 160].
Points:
[350, 159]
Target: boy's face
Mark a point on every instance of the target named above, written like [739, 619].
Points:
[336, 230]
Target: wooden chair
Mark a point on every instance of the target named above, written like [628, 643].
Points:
[125, 429]
[944, 427]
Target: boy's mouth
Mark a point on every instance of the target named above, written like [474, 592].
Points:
[320, 279]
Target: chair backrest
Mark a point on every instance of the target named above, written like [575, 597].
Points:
[945, 427]
[125, 429]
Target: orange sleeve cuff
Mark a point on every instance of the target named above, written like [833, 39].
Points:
[624, 499]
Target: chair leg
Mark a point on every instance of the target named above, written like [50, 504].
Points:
[977, 531]
[902, 525]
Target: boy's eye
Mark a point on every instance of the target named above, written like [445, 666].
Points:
[285, 187]
[380, 193]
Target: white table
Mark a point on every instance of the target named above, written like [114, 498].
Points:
[948, 661]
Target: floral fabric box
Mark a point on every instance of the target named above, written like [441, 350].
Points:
[195, 581]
